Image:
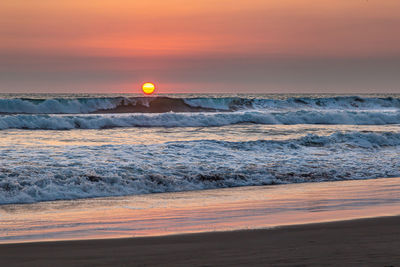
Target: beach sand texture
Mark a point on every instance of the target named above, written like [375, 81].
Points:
[365, 242]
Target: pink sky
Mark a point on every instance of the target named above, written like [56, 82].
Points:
[200, 46]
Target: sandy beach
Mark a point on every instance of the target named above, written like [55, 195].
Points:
[199, 133]
[200, 211]
[364, 242]
[347, 223]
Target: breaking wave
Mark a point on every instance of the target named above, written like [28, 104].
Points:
[84, 172]
[199, 119]
[168, 104]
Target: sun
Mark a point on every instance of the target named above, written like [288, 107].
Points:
[148, 88]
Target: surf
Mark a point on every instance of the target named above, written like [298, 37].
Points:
[163, 104]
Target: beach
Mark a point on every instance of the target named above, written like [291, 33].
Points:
[199, 133]
[215, 210]
[365, 242]
[219, 180]
[332, 223]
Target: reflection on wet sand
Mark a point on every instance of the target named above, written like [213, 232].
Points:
[199, 211]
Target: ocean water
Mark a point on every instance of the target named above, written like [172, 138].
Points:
[56, 147]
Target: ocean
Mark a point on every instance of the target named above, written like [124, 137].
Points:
[75, 146]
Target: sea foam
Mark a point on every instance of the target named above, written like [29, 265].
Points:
[71, 172]
[199, 119]
[167, 104]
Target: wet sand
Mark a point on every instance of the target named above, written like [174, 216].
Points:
[216, 210]
[365, 242]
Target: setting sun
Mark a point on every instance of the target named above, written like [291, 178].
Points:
[117, 117]
[148, 88]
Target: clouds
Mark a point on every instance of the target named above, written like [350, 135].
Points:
[296, 45]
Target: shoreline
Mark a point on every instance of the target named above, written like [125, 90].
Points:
[372, 241]
[215, 210]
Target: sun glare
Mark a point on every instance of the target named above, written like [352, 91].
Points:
[148, 88]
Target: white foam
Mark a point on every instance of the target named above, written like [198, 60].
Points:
[88, 105]
[304, 103]
[63, 122]
[70, 172]
[55, 106]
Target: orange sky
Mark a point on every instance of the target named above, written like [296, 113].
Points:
[206, 45]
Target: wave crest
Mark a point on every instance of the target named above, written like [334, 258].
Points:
[167, 104]
[68, 122]
[181, 166]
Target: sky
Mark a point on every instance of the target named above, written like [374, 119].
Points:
[221, 46]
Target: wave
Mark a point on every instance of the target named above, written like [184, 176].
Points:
[348, 139]
[104, 121]
[84, 171]
[205, 104]
[97, 105]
